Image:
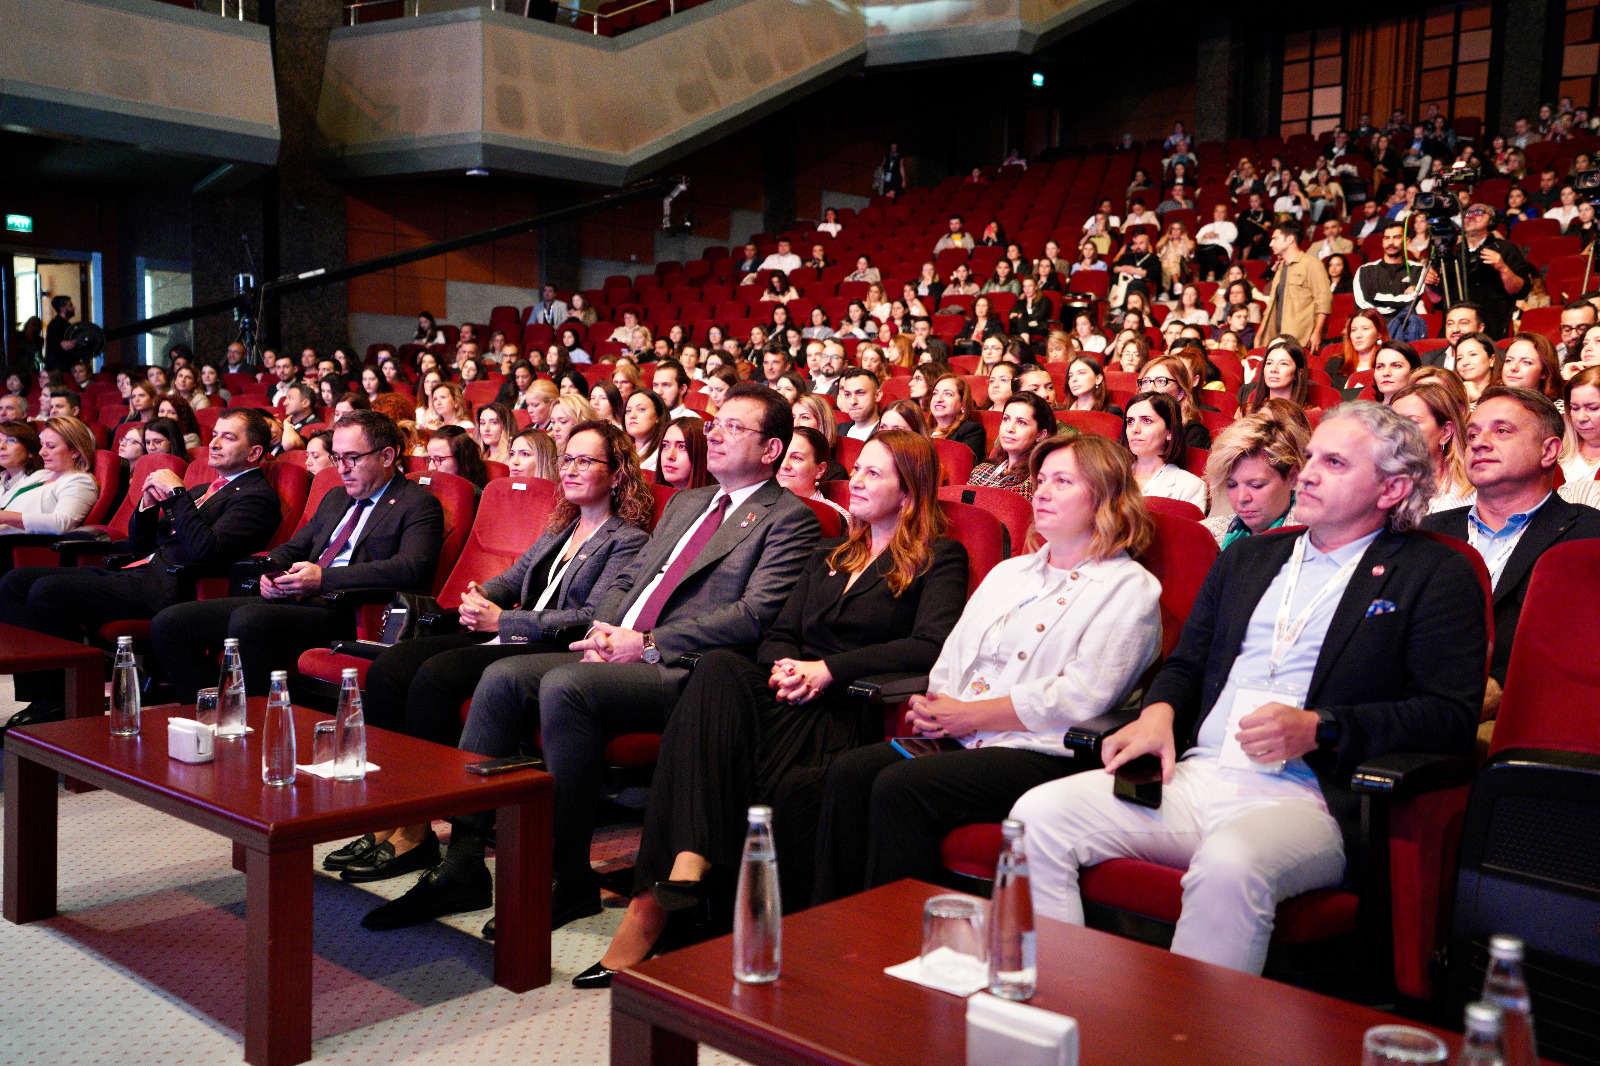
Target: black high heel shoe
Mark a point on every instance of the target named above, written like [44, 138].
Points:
[675, 896]
[596, 976]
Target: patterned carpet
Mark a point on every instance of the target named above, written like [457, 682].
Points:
[144, 964]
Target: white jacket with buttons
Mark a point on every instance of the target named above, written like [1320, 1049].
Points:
[1073, 645]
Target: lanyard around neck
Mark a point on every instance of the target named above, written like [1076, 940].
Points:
[1285, 632]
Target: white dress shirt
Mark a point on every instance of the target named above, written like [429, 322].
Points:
[1176, 483]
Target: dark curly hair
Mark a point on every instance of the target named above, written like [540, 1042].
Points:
[632, 499]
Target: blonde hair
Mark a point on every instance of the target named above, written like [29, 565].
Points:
[822, 411]
[1279, 442]
[579, 408]
[1449, 408]
[545, 387]
[76, 436]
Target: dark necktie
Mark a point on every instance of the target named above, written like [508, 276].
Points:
[342, 537]
[651, 612]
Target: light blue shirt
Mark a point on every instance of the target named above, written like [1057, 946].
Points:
[1293, 675]
[1496, 546]
[343, 558]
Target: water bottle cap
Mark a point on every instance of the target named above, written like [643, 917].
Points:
[350, 673]
[124, 642]
[1484, 1017]
[760, 815]
[1011, 829]
[230, 642]
[1506, 947]
[280, 675]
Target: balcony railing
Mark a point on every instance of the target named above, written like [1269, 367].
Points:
[599, 20]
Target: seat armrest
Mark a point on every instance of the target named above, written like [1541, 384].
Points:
[1083, 739]
[1411, 773]
[888, 688]
[561, 636]
[72, 548]
[360, 649]
[244, 577]
[33, 540]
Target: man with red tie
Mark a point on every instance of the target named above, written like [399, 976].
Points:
[720, 565]
[380, 531]
[213, 525]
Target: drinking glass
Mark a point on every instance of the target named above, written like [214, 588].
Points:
[323, 743]
[1401, 1045]
[205, 707]
[953, 946]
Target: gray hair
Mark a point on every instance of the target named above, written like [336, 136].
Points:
[1399, 451]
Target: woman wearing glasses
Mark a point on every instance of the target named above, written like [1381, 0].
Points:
[417, 685]
[1167, 374]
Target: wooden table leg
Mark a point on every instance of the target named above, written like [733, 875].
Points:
[239, 853]
[86, 698]
[635, 1042]
[522, 871]
[277, 1013]
[30, 848]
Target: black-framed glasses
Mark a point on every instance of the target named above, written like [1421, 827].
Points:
[1154, 383]
[583, 463]
[352, 458]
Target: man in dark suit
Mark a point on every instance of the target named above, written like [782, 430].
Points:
[1513, 448]
[1460, 320]
[1305, 655]
[209, 525]
[720, 565]
[380, 531]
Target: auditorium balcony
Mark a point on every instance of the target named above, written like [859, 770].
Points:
[157, 76]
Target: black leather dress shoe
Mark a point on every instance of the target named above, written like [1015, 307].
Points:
[674, 896]
[34, 713]
[596, 976]
[448, 888]
[381, 863]
[564, 907]
[356, 849]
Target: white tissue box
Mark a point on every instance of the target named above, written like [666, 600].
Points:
[189, 741]
[1000, 1031]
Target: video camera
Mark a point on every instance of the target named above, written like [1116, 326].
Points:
[1440, 209]
[1586, 183]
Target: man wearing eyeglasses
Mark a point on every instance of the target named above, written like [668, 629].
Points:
[1497, 274]
[720, 565]
[1576, 317]
[378, 531]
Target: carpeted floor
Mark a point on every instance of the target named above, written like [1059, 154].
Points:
[144, 964]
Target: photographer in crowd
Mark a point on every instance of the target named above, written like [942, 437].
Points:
[1481, 268]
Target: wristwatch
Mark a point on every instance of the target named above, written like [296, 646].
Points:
[1328, 731]
[652, 654]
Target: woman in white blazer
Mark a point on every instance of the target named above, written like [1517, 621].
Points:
[1153, 432]
[1049, 639]
[55, 490]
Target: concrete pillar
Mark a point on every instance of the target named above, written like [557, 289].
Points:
[1215, 97]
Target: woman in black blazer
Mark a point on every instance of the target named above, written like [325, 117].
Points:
[953, 416]
[764, 730]
[417, 686]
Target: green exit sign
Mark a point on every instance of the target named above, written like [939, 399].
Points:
[19, 223]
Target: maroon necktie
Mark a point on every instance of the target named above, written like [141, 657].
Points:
[342, 537]
[691, 551]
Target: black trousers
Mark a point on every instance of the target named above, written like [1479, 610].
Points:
[1211, 262]
[271, 633]
[417, 686]
[73, 602]
[577, 707]
[729, 744]
[884, 816]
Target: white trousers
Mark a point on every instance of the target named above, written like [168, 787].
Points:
[1248, 841]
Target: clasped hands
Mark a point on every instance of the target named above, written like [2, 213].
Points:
[301, 579]
[477, 612]
[605, 643]
[1273, 732]
[160, 485]
[796, 681]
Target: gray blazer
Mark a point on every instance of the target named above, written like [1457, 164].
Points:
[600, 562]
[734, 590]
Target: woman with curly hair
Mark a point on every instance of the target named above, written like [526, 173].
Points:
[416, 686]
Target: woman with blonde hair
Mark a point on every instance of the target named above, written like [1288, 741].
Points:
[533, 454]
[55, 489]
[565, 414]
[1580, 452]
[450, 406]
[1253, 465]
[1052, 637]
[1441, 414]
[765, 729]
[876, 303]
[816, 412]
[870, 358]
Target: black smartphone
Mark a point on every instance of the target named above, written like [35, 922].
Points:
[272, 575]
[1139, 781]
[912, 747]
[506, 765]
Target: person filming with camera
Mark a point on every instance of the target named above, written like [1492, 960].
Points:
[1483, 269]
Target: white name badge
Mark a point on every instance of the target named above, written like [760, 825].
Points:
[1247, 700]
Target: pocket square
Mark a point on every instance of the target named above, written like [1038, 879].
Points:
[1381, 607]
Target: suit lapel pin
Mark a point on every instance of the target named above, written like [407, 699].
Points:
[582, 556]
[1377, 571]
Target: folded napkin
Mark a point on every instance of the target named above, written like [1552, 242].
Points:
[947, 970]
[325, 769]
